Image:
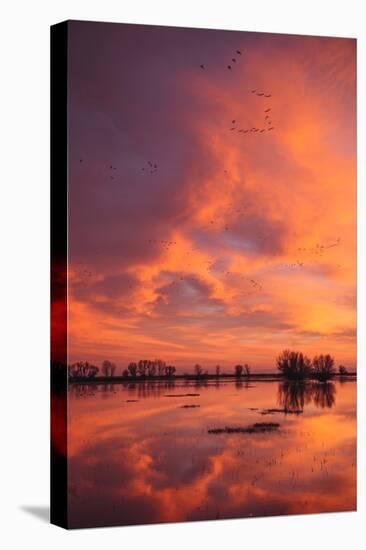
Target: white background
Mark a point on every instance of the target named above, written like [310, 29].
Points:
[24, 230]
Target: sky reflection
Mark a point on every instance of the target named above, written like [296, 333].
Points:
[136, 456]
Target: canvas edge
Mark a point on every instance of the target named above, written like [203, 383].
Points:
[58, 208]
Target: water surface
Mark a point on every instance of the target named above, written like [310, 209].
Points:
[142, 453]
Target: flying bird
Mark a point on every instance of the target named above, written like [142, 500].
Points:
[267, 95]
[267, 110]
[271, 128]
[229, 66]
[202, 67]
[238, 52]
[233, 60]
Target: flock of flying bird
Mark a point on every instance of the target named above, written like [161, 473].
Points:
[254, 129]
[233, 60]
[151, 167]
[268, 127]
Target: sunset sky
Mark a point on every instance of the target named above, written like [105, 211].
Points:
[190, 240]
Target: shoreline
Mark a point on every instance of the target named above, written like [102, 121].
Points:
[259, 377]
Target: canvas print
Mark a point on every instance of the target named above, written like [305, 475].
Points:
[203, 274]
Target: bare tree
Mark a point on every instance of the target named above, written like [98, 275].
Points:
[218, 370]
[108, 368]
[142, 366]
[151, 368]
[132, 368]
[160, 366]
[247, 369]
[125, 373]
[323, 367]
[169, 371]
[198, 370]
[294, 365]
[82, 369]
[342, 370]
[238, 370]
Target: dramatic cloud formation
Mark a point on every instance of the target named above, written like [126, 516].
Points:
[193, 237]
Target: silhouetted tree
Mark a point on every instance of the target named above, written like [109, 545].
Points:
[247, 369]
[132, 368]
[239, 370]
[151, 368]
[169, 371]
[160, 366]
[323, 367]
[198, 370]
[142, 366]
[125, 373]
[218, 370]
[294, 365]
[342, 370]
[82, 369]
[108, 368]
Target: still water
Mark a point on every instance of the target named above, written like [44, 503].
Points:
[152, 452]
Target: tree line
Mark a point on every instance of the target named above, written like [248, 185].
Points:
[145, 368]
[294, 365]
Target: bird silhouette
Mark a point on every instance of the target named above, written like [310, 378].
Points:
[202, 67]
[229, 67]
[238, 52]
[267, 110]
